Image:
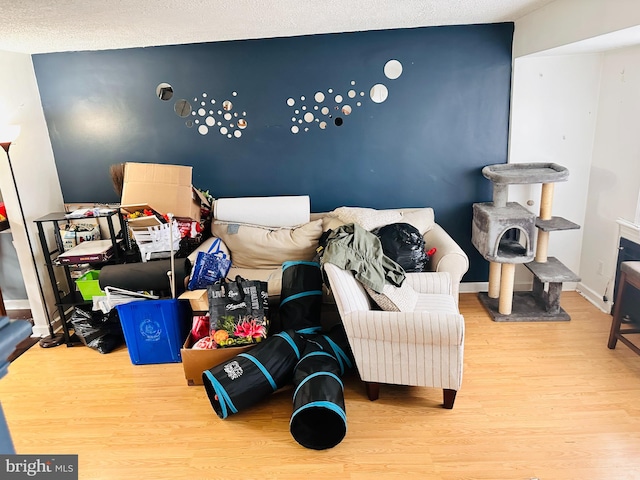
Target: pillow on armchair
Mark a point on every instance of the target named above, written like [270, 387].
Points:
[395, 299]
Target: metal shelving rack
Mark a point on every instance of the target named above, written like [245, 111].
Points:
[73, 298]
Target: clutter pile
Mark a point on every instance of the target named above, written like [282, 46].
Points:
[302, 354]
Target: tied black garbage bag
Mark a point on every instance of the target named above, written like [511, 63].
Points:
[402, 243]
[251, 376]
[97, 330]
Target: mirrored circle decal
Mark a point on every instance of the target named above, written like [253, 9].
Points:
[378, 93]
[182, 108]
[392, 69]
[164, 91]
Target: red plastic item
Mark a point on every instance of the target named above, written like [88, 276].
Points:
[200, 327]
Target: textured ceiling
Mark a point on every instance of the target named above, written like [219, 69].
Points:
[37, 26]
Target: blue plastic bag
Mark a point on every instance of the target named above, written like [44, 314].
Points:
[209, 267]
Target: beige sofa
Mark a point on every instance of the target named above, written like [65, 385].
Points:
[258, 252]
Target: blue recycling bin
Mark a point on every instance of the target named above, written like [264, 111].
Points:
[154, 330]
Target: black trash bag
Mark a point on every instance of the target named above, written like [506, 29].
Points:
[319, 420]
[301, 295]
[251, 376]
[98, 330]
[403, 244]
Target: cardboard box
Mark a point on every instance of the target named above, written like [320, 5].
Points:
[167, 188]
[71, 237]
[197, 298]
[197, 361]
[141, 222]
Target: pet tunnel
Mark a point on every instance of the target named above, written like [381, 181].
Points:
[301, 295]
[334, 342]
[251, 376]
[318, 420]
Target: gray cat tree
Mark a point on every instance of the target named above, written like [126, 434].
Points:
[503, 232]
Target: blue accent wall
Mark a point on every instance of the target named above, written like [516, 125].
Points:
[445, 117]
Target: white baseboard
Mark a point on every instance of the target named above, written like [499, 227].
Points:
[594, 297]
[40, 331]
[43, 330]
[17, 304]
[475, 287]
[591, 296]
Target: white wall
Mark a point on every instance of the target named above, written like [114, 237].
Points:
[35, 172]
[553, 119]
[615, 171]
[613, 187]
[566, 21]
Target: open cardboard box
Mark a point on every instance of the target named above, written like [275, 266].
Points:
[197, 299]
[140, 222]
[167, 188]
[195, 362]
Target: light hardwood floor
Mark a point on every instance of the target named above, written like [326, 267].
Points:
[538, 400]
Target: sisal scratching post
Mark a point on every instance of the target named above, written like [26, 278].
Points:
[494, 279]
[505, 302]
[546, 202]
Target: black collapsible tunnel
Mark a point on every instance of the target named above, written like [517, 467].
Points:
[319, 420]
[301, 295]
[251, 376]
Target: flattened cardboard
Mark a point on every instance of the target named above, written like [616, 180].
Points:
[87, 252]
[167, 188]
[195, 362]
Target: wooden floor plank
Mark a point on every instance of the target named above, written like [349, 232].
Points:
[543, 400]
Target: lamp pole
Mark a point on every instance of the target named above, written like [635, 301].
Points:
[53, 340]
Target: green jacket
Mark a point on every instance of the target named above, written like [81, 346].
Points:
[351, 247]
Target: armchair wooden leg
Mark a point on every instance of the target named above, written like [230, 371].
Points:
[373, 390]
[449, 398]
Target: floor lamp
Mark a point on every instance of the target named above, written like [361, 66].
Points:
[8, 135]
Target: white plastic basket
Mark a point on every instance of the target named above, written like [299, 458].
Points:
[157, 239]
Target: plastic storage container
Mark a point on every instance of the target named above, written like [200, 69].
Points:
[153, 330]
[88, 284]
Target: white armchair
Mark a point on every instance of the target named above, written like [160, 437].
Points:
[423, 347]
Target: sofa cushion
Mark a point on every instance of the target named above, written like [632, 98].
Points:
[259, 247]
[421, 218]
[367, 218]
[273, 277]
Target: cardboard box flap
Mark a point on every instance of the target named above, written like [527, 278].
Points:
[198, 299]
[192, 294]
[203, 199]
